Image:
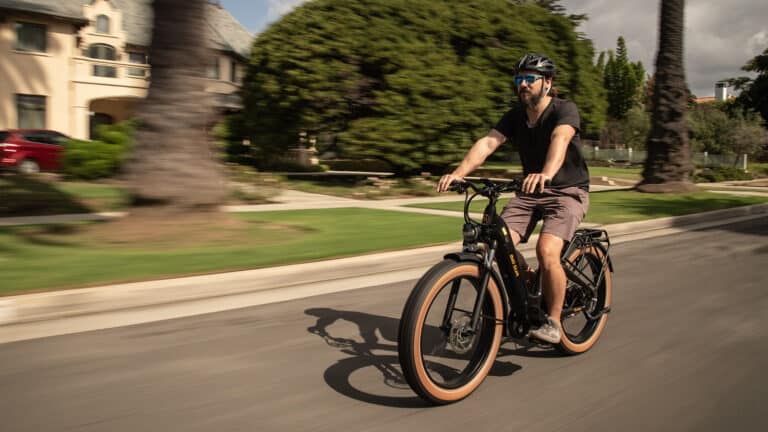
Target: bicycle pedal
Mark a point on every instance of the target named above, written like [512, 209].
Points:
[539, 343]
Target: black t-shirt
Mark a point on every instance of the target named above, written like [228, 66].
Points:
[533, 141]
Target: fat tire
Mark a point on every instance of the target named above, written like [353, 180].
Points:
[570, 346]
[411, 326]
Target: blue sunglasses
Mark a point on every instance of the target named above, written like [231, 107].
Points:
[528, 78]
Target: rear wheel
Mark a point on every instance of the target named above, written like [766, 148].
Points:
[442, 358]
[28, 166]
[582, 320]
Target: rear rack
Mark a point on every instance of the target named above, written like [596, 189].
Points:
[584, 238]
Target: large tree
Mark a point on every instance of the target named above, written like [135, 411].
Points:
[668, 167]
[411, 83]
[754, 94]
[172, 164]
[623, 81]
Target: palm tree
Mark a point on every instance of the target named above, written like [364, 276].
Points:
[668, 167]
[173, 164]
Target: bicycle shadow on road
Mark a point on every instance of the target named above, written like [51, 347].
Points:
[339, 375]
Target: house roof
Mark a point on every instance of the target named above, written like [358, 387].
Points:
[69, 9]
[224, 31]
[227, 33]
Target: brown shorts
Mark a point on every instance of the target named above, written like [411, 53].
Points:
[562, 211]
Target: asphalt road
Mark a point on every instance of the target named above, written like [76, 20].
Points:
[685, 349]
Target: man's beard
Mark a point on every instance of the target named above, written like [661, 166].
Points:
[533, 101]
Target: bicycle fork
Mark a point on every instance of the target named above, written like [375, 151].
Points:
[485, 274]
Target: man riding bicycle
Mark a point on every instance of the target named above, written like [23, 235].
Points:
[546, 130]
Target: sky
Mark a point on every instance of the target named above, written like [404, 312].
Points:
[720, 36]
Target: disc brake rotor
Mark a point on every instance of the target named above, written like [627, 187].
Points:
[461, 337]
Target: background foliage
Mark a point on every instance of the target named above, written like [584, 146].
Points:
[103, 157]
[409, 83]
[623, 81]
[754, 95]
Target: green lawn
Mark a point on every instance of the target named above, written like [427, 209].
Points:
[594, 171]
[69, 255]
[613, 172]
[758, 168]
[101, 196]
[627, 206]
[359, 188]
[27, 196]
[34, 258]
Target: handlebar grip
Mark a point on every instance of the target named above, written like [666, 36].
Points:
[458, 186]
[512, 186]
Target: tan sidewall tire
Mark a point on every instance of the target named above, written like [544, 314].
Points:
[452, 395]
[574, 348]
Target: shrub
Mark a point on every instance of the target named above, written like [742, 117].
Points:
[91, 160]
[720, 174]
[373, 165]
[288, 165]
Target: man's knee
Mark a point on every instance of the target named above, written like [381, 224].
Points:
[515, 237]
[548, 250]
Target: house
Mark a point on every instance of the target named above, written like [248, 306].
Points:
[704, 99]
[70, 65]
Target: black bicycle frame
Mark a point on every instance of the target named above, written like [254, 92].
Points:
[510, 269]
[520, 309]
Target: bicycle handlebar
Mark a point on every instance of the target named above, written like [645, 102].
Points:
[486, 187]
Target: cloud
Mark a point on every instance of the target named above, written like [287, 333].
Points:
[278, 8]
[757, 43]
[719, 38]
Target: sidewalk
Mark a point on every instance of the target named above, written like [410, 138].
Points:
[287, 200]
[69, 311]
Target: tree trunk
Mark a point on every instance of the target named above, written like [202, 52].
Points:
[668, 167]
[173, 164]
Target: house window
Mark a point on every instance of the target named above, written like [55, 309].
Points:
[212, 71]
[31, 37]
[102, 24]
[31, 111]
[103, 52]
[137, 58]
[104, 71]
[233, 71]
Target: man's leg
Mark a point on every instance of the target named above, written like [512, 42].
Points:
[563, 211]
[553, 283]
[553, 279]
[518, 215]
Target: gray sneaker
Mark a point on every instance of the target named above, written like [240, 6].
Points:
[549, 332]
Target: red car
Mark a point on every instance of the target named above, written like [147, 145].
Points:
[31, 150]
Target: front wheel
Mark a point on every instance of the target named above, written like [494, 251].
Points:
[584, 312]
[443, 359]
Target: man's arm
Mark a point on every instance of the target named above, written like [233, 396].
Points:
[474, 158]
[561, 137]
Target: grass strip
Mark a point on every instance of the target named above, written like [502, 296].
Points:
[57, 256]
[628, 206]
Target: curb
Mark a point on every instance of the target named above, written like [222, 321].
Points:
[268, 285]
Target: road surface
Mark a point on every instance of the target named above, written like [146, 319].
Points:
[685, 349]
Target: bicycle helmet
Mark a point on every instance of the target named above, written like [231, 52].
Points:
[537, 62]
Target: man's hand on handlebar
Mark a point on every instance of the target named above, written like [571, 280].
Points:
[446, 180]
[534, 183]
